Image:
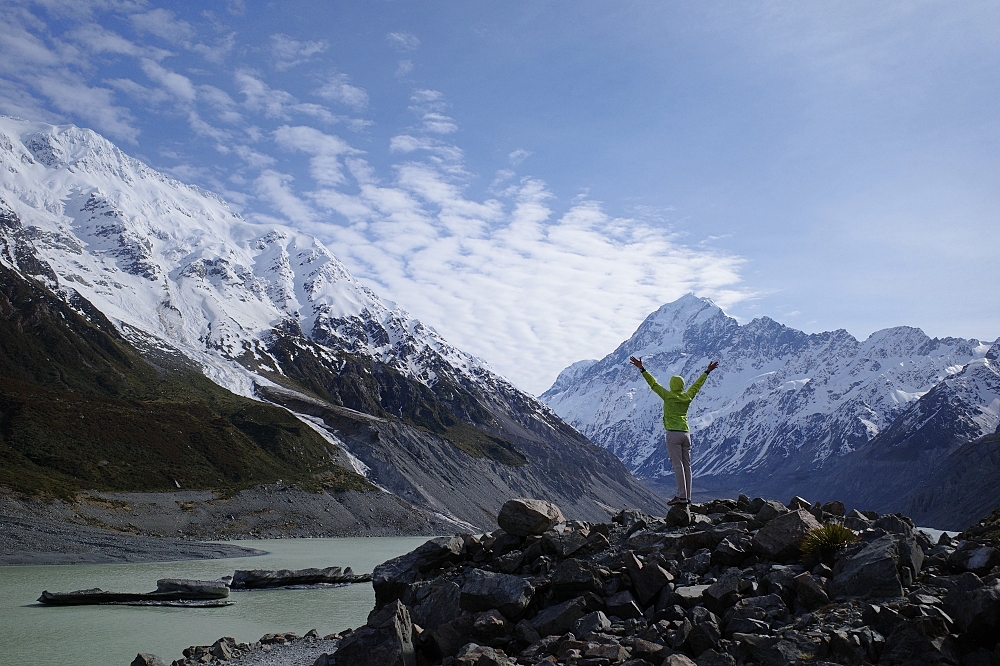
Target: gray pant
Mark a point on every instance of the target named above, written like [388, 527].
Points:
[679, 450]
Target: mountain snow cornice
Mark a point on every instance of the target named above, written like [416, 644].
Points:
[781, 401]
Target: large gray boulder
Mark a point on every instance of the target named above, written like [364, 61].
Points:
[922, 640]
[387, 640]
[436, 603]
[780, 538]
[623, 605]
[573, 577]
[557, 620]
[975, 558]
[975, 607]
[484, 590]
[868, 570]
[524, 516]
[392, 579]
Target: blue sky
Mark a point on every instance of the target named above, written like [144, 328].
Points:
[533, 178]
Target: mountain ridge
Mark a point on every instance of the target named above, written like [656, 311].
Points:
[784, 406]
[264, 310]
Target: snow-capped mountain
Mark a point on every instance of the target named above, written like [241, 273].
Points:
[265, 310]
[171, 260]
[782, 403]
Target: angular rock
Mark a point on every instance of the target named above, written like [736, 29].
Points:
[705, 631]
[780, 538]
[391, 579]
[473, 654]
[387, 640]
[975, 608]
[557, 620]
[792, 648]
[769, 511]
[449, 637]
[712, 658]
[678, 659]
[798, 503]
[563, 544]
[724, 592]
[484, 590]
[623, 605]
[591, 623]
[679, 516]
[835, 508]
[510, 562]
[880, 618]
[977, 559]
[921, 640]
[437, 603]
[573, 577]
[651, 652]
[524, 632]
[613, 652]
[222, 649]
[731, 551]
[689, 595]
[647, 580]
[870, 570]
[146, 659]
[809, 592]
[490, 625]
[528, 516]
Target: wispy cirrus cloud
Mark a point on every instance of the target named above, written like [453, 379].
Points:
[506, 278]
[338, 89]
[403, 41]
[288, 52]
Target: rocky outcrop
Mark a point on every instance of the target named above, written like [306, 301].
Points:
[256, 579]
[169, 591]
[731, 587]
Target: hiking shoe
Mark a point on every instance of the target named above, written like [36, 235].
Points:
[677, 500]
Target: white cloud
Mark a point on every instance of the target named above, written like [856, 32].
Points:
[275, 103]
[289, 52]
[509, 280]
[176, 84]
[324, 165]
[163, 24]
[337, 89]
[404, 68]
[519, 156]
[403, 41]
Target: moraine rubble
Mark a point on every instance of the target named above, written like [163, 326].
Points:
[720, 583]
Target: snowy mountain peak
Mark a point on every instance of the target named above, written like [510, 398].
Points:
[177, 265]
[781, 397]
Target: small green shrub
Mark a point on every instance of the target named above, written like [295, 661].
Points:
[822, 543]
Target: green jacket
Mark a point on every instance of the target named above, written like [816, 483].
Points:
[675, 401]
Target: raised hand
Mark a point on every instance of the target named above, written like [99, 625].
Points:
[712, 366]
[637, 362]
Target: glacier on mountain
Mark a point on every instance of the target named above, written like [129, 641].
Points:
[782, 401]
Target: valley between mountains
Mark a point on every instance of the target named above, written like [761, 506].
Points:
[153, 341]
[171, 369]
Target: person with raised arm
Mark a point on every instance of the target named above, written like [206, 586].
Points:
[676, 402]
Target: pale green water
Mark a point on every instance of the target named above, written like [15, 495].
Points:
[38, 635]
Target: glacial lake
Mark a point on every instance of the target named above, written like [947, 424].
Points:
[112, 635]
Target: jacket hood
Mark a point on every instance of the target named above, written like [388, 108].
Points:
[676, 384]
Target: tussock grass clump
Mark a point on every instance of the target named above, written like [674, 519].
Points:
[822, 543]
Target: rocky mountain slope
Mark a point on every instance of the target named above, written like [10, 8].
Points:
[270, 314]
[787, 410]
